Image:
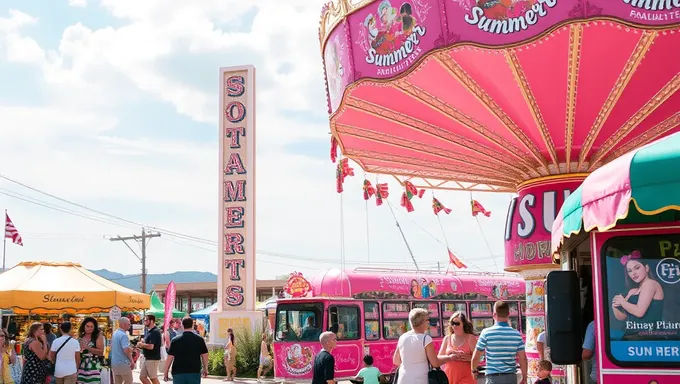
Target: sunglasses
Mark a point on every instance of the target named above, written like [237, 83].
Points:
[455, 323]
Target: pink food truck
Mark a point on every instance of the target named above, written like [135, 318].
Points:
[368, 310]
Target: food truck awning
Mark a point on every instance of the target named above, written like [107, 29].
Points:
[642, 183]
[63, 287]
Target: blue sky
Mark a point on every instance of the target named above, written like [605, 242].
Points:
[113, 104]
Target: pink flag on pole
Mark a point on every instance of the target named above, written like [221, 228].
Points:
[170, 293]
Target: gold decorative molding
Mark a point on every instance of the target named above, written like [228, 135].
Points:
[575, 40]
[333, 12]
[643, 45]
[450, 65]
[413, 166]
[454, 182]
[647, 137]
[446, 155]
[449, 185]
[452, 113]
[659, 98]
[427, 128]
[523, 83]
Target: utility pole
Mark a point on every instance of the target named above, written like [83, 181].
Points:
[143, 241]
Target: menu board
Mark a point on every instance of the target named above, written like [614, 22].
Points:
[480, 309]
[396, 310]
[450, 308]
[371, 311]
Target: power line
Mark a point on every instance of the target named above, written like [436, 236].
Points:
[143, 240]
[177, 237]
[178, 234]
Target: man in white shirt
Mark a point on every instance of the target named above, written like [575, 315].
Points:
[65, 355]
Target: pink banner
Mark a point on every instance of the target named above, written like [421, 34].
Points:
[529, 222]
[385, 38]
[389, 36]
[170, 295]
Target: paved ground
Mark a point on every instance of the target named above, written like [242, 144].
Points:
[211, 380]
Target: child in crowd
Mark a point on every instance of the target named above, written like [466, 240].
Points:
[368, 374]
[544, 369]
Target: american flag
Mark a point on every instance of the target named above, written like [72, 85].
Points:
[11, 231]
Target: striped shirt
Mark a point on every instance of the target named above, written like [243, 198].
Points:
[501, 343]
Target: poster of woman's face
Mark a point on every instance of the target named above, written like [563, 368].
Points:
[642, 297]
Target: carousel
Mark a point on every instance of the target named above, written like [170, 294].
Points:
[520, 96]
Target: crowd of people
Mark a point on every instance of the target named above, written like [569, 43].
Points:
[70, 357]
[459, 355]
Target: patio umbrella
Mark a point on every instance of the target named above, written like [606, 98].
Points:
[641, 186]
[57, 288]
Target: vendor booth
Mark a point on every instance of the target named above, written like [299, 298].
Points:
[54, 292]
[157, 308]
[617, 239]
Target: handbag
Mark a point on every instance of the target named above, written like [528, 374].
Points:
[435, 375]
[52, 365]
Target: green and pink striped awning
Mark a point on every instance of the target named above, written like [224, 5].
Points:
[636, 187]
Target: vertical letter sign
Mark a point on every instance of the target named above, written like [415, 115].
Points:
[237, 190]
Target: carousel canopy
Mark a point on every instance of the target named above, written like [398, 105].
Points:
[56, 288]
[641, 186]
[483, 95]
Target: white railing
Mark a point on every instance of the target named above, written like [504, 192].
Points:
[432, 272]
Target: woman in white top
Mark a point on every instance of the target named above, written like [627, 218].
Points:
[415, 350]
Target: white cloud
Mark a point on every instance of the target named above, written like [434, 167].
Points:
[77, 3]
[75, 146]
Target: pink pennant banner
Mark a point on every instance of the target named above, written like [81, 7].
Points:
[170, 295]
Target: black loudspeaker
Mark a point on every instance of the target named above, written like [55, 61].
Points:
[563, 317]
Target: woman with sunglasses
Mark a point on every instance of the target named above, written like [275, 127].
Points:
[459, 342]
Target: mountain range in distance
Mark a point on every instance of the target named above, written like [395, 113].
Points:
[133, 281]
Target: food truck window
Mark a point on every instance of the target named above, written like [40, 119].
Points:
[514, 315]
[435, 329]
[395, 319]
[448, 309]
[641, 294]
[298, 321]
[346, 320]
[481, 315]
[371, 320]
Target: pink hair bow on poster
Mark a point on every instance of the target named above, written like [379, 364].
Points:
[633, 255]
